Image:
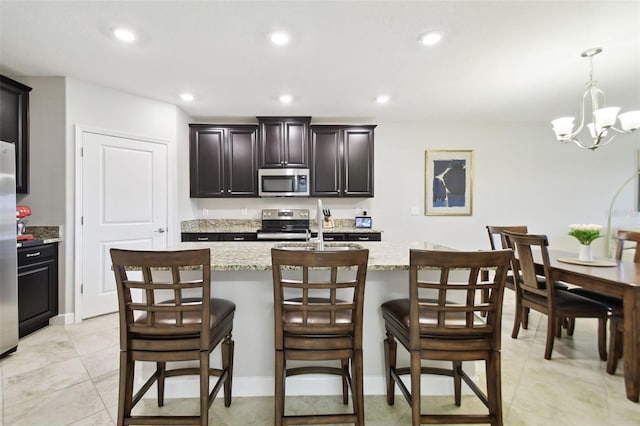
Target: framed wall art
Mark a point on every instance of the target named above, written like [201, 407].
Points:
[448, 183]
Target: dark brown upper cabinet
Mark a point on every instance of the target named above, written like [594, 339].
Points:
[342, 161]
[223, 160]
[14, 126]
[284, 142]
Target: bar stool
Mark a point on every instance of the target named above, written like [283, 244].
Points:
[442, 319]
[176, 320]
[318, 309]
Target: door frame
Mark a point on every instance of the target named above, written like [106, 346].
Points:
[78, 252]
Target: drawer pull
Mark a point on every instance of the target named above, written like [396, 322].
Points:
[34, 254]
[238, 238]
[203, 238]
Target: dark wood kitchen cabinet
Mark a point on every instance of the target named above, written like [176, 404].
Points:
[37, 286]
[14, 126]
[284, 142]
[342, 161]
[223, 160]
[219, 236]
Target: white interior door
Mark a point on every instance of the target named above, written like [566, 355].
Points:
[124, 205]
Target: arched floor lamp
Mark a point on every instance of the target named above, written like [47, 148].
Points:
[613, 200]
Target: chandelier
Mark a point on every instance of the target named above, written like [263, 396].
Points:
[603, 118]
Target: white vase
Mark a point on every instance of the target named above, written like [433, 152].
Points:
[585, 254]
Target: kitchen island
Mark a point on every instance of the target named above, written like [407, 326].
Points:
[241, 272]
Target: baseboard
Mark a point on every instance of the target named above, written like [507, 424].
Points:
[62, 319]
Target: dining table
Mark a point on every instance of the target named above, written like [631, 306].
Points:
[616, 278]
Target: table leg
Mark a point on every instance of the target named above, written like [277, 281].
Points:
[631, 349]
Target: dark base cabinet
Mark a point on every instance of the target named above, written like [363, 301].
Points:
[37, 287]
[350, 236]
[219, 236]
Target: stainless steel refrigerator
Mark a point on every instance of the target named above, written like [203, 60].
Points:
[8, 251]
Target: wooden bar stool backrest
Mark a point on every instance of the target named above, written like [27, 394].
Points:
[318, 316]
[167, 314]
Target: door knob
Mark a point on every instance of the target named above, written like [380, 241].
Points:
[159, 230]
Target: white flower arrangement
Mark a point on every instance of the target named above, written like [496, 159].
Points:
[585, 233]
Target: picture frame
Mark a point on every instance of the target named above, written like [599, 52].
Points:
[448, 183]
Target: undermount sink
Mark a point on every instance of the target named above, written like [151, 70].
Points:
[314, 246]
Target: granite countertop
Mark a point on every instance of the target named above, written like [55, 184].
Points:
[41, 235]
[251, 225]
[256, 256]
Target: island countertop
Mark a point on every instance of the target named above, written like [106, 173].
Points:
[256, 256]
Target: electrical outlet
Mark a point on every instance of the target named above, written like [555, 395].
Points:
[205, 212]
[244, 212]
[415, 211]
[357, 211]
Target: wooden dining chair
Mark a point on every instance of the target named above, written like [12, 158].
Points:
[318, 317]
[496, 235]
[166, 314]
[613, 303]
[559, 306]
[442, 320]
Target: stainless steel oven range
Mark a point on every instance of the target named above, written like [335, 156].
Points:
[284, 225]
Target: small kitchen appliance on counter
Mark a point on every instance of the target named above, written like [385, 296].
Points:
[284, 225]
[21, 223]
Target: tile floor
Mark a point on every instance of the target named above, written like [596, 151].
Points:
[68, 375]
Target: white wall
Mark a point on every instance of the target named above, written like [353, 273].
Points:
[521, 175]
[46, 158]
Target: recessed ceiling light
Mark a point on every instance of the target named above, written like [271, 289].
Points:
[279, 38]
[124, 34]
[286, 99]
[187, 97]
[429, 38]
[383, 99]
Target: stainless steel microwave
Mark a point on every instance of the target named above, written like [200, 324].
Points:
[283, 182]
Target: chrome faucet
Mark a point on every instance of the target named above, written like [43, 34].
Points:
[319, 219]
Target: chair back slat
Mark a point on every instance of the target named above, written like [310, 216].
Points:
[457, 306]
[318, 292]
[163, 293]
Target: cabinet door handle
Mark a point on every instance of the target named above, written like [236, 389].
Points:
[159, 230]
[34, 254]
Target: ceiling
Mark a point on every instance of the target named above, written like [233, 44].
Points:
[500, 61]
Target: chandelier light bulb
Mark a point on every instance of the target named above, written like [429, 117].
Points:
[606, 117]
[563, 126]
[630, 121]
